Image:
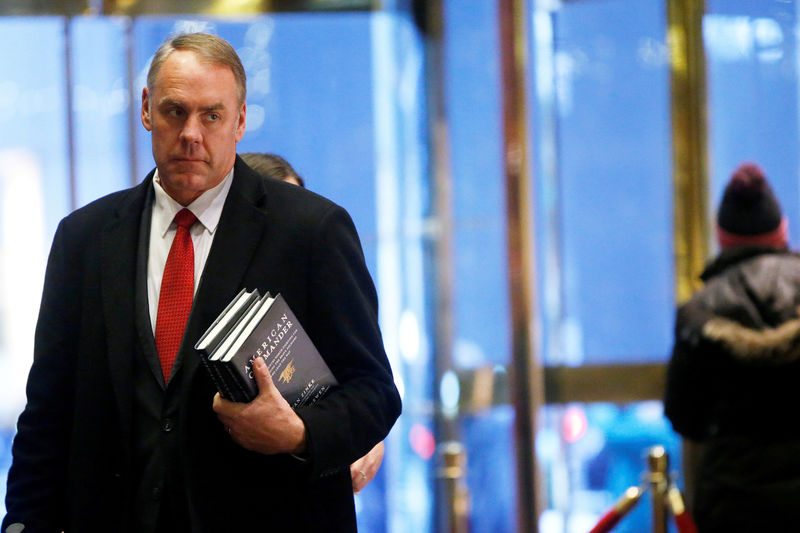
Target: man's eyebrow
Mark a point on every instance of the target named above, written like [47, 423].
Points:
[171, 102]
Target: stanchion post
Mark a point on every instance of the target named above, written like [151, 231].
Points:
[667, 498]
[658, 460]
[451, 475]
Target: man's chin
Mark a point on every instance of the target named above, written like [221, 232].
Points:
[172, 180]
[184, 183]
[183, 180]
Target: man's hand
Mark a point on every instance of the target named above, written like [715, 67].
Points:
[364, 469]
[266, 425]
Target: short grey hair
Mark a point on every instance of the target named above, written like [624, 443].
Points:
[210, 48]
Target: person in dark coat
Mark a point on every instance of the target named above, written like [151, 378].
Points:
[117, 436]
[732, 380]
[276, 167]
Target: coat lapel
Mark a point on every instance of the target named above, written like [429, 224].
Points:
[120, 243]
[236, 240]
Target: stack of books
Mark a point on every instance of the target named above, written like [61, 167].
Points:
[263, 326]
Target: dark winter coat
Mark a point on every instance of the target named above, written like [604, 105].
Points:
[733, 384]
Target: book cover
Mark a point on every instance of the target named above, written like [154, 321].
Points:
[297, 369]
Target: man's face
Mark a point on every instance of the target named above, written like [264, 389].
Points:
[195, 121]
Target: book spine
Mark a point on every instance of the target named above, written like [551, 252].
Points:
[219, 383]
[235, 382]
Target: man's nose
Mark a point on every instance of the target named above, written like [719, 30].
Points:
[192, 130]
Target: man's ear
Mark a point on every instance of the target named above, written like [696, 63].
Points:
[146, 110]
[238, 132]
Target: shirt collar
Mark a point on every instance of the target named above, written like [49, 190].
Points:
[207, 207]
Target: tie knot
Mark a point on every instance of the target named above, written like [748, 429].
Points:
[185, 218]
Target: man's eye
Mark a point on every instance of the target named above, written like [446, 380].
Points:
[213, 117]
[175, 112]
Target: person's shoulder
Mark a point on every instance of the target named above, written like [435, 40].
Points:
[783, 257]
[299, 202]
[296, 193]
[766, 268]
[276, 190]
[106, 208]
[744, 264]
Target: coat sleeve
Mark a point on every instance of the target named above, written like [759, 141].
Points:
[37, 477]
[688, 397]
[343, 315]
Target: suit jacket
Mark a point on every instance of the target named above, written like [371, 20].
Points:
[72, 454]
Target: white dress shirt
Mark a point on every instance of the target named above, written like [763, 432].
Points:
[207, 208]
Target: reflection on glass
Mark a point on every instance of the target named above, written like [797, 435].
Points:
[34, 195]
[100, 107]
[592, 453]
[603, 181]
[22, 257]
[751, 56]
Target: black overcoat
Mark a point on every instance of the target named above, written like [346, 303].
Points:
[73, 450]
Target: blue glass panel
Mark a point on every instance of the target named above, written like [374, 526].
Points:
[401, 194]
[752, 86]
[604, 236]
[6, 438]
[473, 106]
[612, 208]
[33, 101]
[490, 471]
[409, 470]
[100, 106]
[473, 98]
[34, 195]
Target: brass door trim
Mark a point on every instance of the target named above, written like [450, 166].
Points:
[487, 387]
[689, 142]
[179, 7]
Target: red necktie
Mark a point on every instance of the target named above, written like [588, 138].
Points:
[177, 291]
